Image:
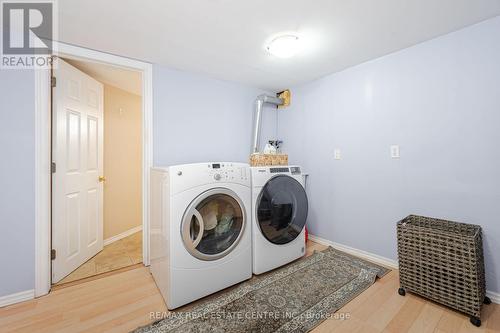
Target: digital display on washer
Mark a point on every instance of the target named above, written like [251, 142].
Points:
[278, 170]
[216, 166]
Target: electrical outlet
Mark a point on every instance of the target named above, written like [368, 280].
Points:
[336, 154]
[395, 151]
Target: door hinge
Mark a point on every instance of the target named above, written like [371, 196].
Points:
[53, 81]
[52, 254]
[53, 167]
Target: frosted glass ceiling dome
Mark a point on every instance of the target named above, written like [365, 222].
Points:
[285, 46]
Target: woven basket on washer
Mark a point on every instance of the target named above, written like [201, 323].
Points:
[443, 261]
[259, 159]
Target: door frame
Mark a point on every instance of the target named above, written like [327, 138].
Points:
[43, 148]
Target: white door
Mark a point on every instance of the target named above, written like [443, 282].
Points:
[77, 151]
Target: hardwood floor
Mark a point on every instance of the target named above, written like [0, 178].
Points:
[124, 301]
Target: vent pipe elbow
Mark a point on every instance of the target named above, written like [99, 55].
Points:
[260, 101]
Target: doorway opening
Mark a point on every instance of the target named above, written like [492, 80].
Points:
[43, 158]
[97, 169]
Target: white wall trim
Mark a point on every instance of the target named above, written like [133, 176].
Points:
[17, 297]
[147, 155]
[43, 150]
[124, 234]
[358, 253]
[42, 181]
[495, 297]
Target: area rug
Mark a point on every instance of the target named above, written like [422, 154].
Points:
[294, 298]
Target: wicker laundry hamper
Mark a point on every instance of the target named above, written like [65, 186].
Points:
[443, 261]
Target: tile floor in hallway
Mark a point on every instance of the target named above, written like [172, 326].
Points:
[122, 253]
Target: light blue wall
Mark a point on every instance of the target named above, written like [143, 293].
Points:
[198, 119]
[440, 101]
[195, 119]
[17, 174]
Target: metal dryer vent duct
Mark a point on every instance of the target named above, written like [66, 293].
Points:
[283, 99]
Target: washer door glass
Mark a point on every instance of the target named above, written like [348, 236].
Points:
[213, 224]
[282, 209]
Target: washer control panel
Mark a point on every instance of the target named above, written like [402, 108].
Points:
[294, 170]
[228, 172]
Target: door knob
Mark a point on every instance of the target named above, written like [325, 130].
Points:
[102, 179]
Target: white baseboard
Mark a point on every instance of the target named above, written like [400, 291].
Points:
[124, 234]
[358, 253]
[495, 297]
[17, 297]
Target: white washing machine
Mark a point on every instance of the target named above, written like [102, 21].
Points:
[279, 213]
[200, 229]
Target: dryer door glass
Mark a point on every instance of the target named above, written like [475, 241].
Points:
[282, 209]
[213, 224]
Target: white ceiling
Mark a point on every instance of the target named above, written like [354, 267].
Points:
[226, 38]
[127, 80]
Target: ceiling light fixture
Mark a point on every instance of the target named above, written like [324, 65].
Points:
[285, 46]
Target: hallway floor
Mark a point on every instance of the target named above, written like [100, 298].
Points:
[122, 253]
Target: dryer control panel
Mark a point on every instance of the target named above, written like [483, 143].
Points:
[294, 170]
[187, 176]
[229, 172]
[260, 175]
